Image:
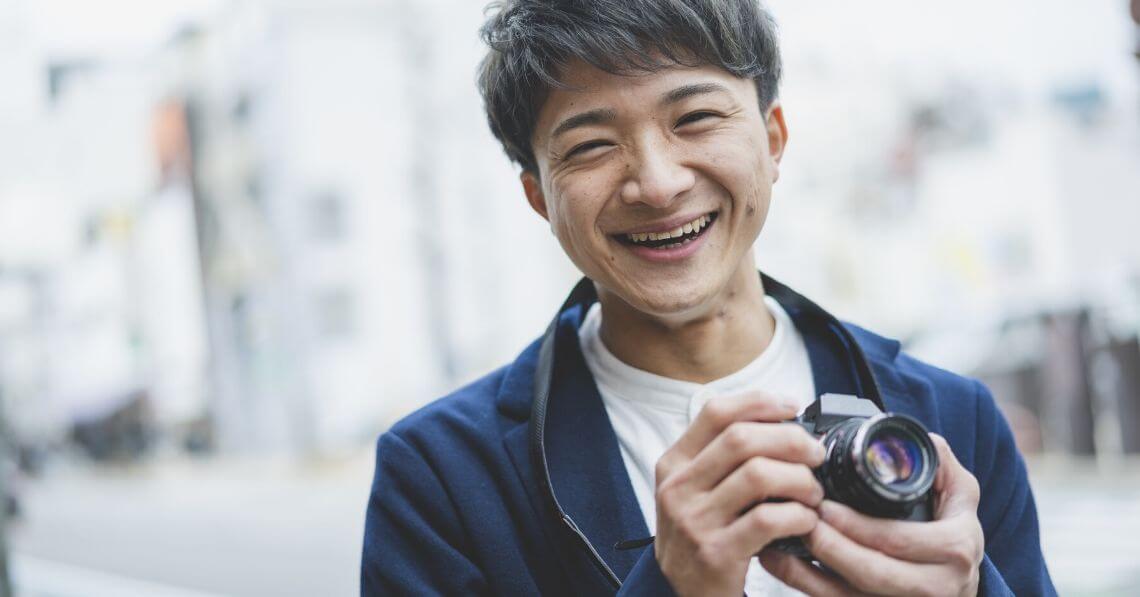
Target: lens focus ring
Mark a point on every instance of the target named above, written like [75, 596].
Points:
[882, 466]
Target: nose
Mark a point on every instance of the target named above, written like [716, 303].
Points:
[656, 177]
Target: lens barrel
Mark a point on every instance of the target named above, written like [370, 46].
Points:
[883, 466]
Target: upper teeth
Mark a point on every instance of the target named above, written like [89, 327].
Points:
[694, 226]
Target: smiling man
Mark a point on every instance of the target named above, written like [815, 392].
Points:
[649, 135]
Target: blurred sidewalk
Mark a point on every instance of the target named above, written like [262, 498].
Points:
[1090, 525]
[185, 529]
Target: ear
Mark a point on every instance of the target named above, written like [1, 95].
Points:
[777, 135]
[533, 190]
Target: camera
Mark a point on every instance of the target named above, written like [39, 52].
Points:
[881, 464]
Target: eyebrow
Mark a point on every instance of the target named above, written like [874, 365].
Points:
[598, 116]
[687, 91]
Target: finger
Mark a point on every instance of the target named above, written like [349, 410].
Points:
[957, 489]
[759, 479]
[865, 568]
[765, 523]
[932, 542]
[723, 411]
[743, 440]
[802, 576]
[717, 415]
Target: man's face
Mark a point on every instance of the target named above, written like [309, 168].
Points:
[656, 185]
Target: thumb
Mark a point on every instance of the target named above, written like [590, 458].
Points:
[957, 489]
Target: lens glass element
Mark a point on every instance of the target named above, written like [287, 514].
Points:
[894, 457]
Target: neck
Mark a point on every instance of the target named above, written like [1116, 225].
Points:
[727, 335]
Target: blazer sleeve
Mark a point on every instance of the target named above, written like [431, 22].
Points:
[646, 578]
[414, 543]
[1013, 563]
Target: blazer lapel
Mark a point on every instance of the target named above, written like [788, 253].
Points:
[586, 468]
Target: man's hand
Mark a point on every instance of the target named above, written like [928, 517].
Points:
[895, 557]
[711, 487]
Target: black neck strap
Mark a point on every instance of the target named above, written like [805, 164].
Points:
[584, 294]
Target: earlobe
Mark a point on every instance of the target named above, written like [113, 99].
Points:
[533, 190]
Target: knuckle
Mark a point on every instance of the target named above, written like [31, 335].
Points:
[760, 520]
[963, 554]
[756, 472]
[736, 437]
[717, 413]
[818, 542]
[666, 497]
[962, 558]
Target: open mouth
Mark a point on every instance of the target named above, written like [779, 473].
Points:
[670, 239]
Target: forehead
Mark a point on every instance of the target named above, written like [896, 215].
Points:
[586, 87]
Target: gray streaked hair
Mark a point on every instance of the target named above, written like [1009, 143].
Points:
[530, 41]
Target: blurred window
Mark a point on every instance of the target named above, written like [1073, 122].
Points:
[327, 217]
[334, 314]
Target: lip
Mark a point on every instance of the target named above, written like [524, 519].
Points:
[664, 225]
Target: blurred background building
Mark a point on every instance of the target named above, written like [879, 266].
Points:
[239, 238]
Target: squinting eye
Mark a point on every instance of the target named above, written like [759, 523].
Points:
[585, 147]
[694, 117]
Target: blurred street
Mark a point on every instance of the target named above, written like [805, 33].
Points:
[244, 528]
[180, 529]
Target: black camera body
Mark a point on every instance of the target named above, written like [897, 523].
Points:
[881, 464]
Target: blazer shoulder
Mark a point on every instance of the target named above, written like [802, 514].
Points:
[468, 407]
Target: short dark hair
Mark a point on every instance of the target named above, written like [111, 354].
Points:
[530, 42]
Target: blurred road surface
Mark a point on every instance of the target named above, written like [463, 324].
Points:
[184, 529]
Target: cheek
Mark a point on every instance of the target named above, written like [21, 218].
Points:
[744, 169]
[574, 214]
[747, 178]
[760, 181]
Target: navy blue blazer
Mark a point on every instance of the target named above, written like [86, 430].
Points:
[464, 503]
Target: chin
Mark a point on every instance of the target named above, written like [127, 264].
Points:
[670, 302]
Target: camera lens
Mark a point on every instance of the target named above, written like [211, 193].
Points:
[883, 466]
[893, 458]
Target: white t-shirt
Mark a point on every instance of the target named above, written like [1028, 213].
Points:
[650, 412]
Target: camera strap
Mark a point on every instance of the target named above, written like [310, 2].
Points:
[584, 295]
